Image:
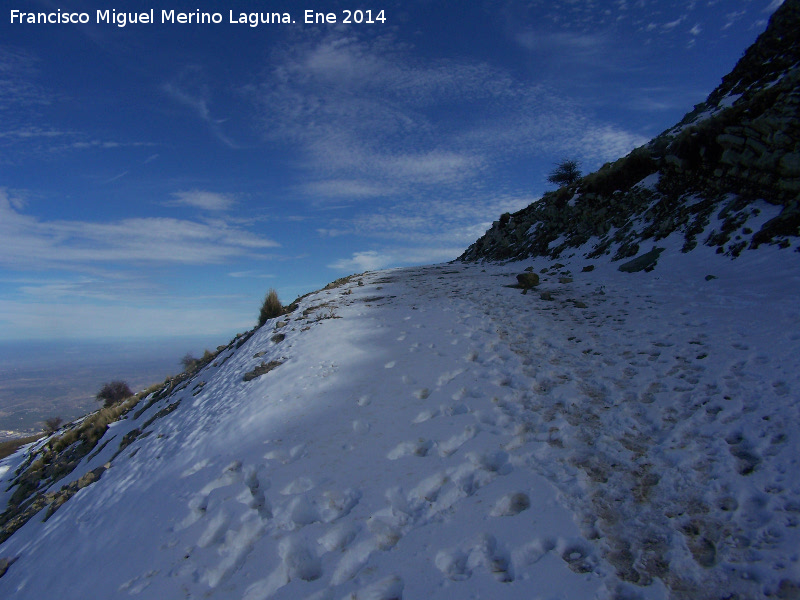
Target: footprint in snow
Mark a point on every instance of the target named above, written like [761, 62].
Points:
[285, 457]
[298, 486]
[534, 551]
[361, 427]
[198, 466]
[233, 548]
[198, 504]
[448, 376]
[339, 537]
[510, 505]
[426, 415]
[419, 447]
[781, 388]
[459, 563]
[390, 588]
[578, 555]
[298, 561]
[449, 446]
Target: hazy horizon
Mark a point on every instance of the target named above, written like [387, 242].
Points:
[40, 379]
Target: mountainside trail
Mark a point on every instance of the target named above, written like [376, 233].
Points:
[433, 432]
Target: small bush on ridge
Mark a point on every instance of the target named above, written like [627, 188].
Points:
[271, 308]
[52, 424]
[565, 173]
[113, 391]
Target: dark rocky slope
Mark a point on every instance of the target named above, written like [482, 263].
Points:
[704, 179]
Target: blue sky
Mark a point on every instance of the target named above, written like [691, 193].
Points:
[156, 179]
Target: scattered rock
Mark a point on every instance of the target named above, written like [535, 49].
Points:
[645, 262]
[5, 563]
[261, 369]
[527, 280]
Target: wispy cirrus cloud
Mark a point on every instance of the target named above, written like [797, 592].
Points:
[30, 242]
[204, 200]
[449, 223]
[18, 89]
[370, 120]
[567, 46]
[23, 102]
[190, 90]
[250, 275]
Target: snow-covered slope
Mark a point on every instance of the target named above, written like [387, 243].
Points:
[434, 433]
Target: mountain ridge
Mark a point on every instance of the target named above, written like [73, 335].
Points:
[699, 179]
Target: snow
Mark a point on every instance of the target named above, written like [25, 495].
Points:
[729, 100]
[438, 434]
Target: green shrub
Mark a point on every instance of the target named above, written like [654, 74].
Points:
[271, 308]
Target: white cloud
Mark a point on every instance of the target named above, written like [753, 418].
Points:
[250, 275]
[565, 46]
[444, 228]
[84, 288]
[27, 241]
[372, 121]
[203, 200]
[332, 233]
[675, 23]
[732, 17]
[608, 142]
[372, 260]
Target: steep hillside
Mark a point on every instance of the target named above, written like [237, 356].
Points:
[436, 433]
[734, 157]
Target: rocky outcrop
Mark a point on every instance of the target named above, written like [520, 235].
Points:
[740, 146]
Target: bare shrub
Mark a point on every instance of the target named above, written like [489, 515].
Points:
[52, 424]
[113, 392]
[189, 362]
